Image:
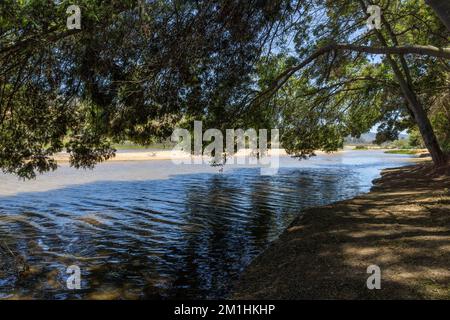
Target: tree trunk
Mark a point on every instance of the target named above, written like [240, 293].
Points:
[421, 117]
[442, 10]
[427, 132]
[414, 104]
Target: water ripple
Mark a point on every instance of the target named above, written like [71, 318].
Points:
[188, 236]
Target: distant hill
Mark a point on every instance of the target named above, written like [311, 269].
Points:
[368, 138]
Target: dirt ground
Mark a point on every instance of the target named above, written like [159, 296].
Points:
[402, 226]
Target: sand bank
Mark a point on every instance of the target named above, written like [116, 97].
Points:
[402, 226]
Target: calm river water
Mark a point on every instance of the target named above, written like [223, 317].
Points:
[151, 229]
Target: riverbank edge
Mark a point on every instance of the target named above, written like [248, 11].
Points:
[402, 225]
[158, 155]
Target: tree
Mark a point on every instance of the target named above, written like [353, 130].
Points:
[80, 90]
[332, 56]
[137, 69]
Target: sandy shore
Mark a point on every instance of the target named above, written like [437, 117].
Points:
[129, 155]
[149, 154]
[402, 225]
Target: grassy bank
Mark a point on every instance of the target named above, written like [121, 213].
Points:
[154, 146]
[403, 151]
[402, 225]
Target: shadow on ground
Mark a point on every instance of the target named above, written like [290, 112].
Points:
[403, 226]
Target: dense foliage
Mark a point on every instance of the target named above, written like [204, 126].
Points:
[132, 72]
[345, 93]
[137, 69]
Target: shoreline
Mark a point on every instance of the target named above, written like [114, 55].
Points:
[152, 155]
[149, 155]
[402, 225]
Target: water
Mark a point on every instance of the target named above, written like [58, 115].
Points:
[155, 230]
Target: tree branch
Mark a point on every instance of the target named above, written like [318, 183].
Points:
[35, 40]
[418, 50]
[400, 50]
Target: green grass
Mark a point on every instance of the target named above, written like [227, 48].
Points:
[402, 151]
[131, 146]
[361, 148]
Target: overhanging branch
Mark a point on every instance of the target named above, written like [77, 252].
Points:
[417, 50]
[36, 41]
[400, 50]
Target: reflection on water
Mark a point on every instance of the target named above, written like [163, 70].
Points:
[156, 230]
